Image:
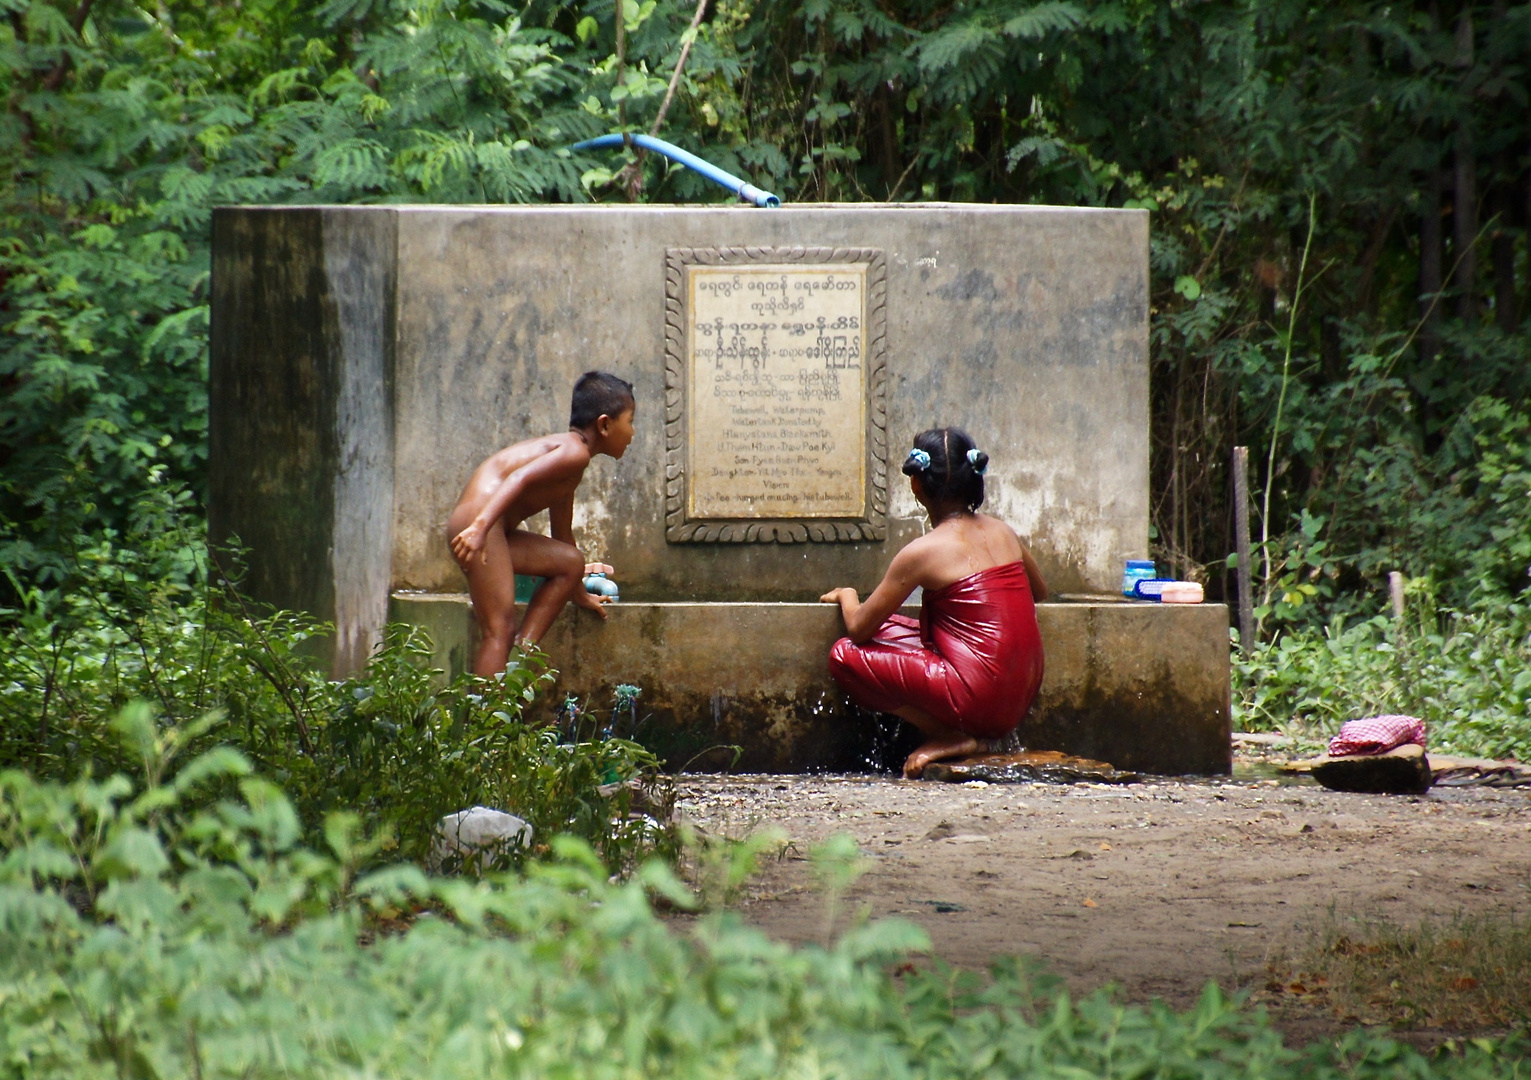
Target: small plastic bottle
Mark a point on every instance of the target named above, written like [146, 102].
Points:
[1137, 570]
[601, 585]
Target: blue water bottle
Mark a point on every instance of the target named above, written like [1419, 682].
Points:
[1137, 570]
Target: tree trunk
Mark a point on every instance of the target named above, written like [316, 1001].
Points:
[1464, 219]
[889, 142]
[1365, 295]
[1464, 210]
[1502, 256]
[1430, 267]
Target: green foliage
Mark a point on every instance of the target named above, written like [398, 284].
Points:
[147, 932]
[123, 129]
[1501, 563]
[1340, 272]
[1467, 674]
[1460, 658]
[138, 636]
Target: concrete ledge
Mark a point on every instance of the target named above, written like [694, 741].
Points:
[1142, 686]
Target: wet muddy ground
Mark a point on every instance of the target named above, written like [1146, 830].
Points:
[1156, 886]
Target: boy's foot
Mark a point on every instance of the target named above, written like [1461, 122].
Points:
[937, 750]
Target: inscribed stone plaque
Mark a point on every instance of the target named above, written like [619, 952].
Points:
[775, 363]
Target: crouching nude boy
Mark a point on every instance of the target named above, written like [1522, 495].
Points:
[537, 474]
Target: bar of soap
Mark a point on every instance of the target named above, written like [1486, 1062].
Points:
[1181, 592]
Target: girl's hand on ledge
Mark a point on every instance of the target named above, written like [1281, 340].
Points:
[833, 596]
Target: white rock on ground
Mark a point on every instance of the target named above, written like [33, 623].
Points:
[479, 829]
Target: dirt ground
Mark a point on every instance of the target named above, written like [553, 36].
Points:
[1156, 886]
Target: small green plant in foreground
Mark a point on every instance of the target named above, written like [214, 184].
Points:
[147, 932]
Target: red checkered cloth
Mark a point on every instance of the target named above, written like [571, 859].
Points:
[1377, 735]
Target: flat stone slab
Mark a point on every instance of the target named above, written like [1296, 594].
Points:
[1260, 738]
[1045, 766]
[1485, 772]
[1404, 770]
[746, 686]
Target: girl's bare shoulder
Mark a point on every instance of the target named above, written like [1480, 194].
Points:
[923, 546]
[929, 554]
[998, 527]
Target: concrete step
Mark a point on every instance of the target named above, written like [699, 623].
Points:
[1144, 687]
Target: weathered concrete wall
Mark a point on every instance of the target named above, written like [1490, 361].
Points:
[1142, 686]
[301, 426]
[1026, 325]
[366, 358]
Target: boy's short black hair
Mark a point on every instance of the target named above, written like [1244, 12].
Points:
[597, 394]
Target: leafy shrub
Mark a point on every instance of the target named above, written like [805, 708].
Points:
[140, 624]
[1455, 517]
[1501, 563]
[147, 933]
[1468, 674]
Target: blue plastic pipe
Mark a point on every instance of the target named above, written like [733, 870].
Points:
[742, 188]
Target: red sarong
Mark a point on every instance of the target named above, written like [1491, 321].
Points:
[973, 661]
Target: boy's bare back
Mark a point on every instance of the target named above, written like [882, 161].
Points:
[553, 464]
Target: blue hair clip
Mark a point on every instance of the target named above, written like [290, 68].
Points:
[973, 456]
[920, 459]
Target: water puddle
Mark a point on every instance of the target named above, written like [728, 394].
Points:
[1267, 772]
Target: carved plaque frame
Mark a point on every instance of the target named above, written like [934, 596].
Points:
[680, 526]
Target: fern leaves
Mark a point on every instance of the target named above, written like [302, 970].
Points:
[1051, 16]
[961, 61]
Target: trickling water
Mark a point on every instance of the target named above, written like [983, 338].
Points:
[883, 741]
[1254, 772]
[1010, 744]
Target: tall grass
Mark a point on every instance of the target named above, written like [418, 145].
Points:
[1465, 973]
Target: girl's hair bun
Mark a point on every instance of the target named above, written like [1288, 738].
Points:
[917, 462]
[938, 458]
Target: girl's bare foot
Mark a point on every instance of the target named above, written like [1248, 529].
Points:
[955, 745]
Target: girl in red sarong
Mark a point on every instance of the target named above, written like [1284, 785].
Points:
[970, 667]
